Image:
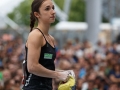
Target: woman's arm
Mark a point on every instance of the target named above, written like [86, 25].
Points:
[34, 44]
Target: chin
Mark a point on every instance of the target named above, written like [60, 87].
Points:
[52, 21]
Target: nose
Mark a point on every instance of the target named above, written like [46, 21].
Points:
[53, 11]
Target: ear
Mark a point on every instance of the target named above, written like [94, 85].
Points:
[37, 14]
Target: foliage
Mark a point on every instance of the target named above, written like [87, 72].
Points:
[77, 12]
[21, 14]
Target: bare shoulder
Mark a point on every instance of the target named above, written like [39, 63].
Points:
[35, 33]
[35, 37]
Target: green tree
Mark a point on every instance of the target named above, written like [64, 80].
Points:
[21, 14]
[77, 12]
[60, 3]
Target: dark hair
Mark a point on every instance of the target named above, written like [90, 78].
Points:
[34, 8]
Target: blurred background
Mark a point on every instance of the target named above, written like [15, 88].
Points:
[87, 34]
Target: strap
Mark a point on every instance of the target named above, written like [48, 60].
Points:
[42, 34]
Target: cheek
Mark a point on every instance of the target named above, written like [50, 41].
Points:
[45, 16]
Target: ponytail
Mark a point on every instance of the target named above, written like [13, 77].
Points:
[32, 21]
[34, 8]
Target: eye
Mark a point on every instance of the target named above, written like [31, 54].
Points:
[47, 8]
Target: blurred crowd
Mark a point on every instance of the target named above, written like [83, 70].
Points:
[97, 67]
[11, 57]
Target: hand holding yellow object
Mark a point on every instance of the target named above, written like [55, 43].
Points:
[69, 85]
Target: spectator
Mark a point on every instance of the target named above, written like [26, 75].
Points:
[95, 68]
[115, 73]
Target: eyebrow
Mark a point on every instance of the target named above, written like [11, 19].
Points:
[49, 6]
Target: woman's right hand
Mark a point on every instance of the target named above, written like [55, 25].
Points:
[63, 75]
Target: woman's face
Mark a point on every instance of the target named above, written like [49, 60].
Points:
[47, 12]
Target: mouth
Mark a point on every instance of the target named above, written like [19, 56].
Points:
[52, 17]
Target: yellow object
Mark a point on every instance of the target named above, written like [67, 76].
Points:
[69, 85]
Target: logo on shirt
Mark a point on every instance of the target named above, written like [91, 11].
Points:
[28, 80]
[48, 56]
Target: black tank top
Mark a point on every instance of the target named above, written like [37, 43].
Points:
[47, 57]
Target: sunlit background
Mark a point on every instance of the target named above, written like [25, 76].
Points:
[87, 34]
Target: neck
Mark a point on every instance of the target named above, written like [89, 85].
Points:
[44, 27]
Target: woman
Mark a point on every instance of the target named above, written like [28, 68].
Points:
[40, 49]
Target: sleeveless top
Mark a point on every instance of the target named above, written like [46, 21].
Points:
[47, 57]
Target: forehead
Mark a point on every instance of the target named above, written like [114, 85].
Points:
[47, 3]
